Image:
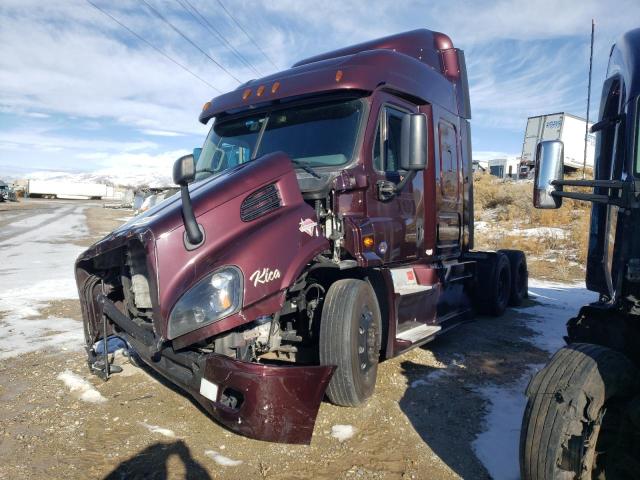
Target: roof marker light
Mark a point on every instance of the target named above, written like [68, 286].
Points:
[246, 94]
[275, 87]
[260, 90]
[206, 106]
[338, 75]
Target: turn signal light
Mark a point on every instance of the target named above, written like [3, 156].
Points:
[246, 94]
[368, 241]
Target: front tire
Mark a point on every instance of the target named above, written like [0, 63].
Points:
[572, 426]
[350, 331]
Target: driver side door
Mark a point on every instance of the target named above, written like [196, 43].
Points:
[401, 213]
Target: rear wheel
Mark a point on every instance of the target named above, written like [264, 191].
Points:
[350, 331]
[493, 286]
[575, 425]
[519, 276]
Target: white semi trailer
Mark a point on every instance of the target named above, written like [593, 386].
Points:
[558, 126]
[69, 190]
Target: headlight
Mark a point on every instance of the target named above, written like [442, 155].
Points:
[214, 297]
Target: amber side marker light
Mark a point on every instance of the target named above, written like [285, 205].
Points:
[246, 94]
[275, 87]
[338, 75]
[367, 242]
[206, 106]
[260, 90]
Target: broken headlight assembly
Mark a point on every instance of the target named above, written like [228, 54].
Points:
[213, 298]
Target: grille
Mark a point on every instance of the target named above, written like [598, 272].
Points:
[259, 203]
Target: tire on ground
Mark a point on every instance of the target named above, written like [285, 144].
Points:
[564, 412]
[519, 276]
[350, 331]
[493, 286]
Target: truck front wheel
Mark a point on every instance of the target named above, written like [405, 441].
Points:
[575, 424]
[350, 331]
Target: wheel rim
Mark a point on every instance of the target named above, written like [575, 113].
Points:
[367, 340]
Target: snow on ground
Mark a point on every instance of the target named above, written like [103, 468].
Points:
[37, 268]
[81, 387]
[157, 429]
[497, 446]
[540, 232]
[135, 175]
[343, 432]
[221, 459]
[439, 372]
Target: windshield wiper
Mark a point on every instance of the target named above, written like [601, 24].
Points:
[305, 167]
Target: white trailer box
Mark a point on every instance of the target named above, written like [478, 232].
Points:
[559, 126]
[504, 167]
[68, 190]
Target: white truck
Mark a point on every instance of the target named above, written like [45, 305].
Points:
[69, 190]
[558, 126]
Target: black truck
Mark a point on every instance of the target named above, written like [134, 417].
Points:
[582, 419]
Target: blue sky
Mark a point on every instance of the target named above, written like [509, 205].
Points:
[80, 93]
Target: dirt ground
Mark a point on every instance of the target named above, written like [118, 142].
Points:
[419, 424]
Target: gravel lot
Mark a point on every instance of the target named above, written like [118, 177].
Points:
[436, 412]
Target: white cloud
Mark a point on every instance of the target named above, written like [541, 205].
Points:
[161, 133]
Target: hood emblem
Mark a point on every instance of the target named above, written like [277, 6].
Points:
[309, 227]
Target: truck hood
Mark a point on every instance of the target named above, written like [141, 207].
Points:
[270, 247]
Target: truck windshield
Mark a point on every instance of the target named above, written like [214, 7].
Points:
[316, 135]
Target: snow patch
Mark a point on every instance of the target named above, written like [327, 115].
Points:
[553, 232]
[343, 432]
[156, 429]
[440, 372]
[35, 271]
[81, 387]
[481, 226]
[497, 446]
[221, 459]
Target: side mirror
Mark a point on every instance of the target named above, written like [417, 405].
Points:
[549, 167]
[184, 170]
[413, 156]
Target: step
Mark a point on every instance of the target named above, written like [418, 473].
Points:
[405, 281]
[418, 333]
[410, 289]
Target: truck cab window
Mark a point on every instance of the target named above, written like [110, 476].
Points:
[388, 140]
[228, 144]
[448, 160]
[318, 134]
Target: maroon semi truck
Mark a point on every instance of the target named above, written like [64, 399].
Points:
[326, 224]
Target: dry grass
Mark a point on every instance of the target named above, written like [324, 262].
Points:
[556, 252]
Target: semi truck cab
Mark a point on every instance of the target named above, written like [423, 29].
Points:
[325, 224]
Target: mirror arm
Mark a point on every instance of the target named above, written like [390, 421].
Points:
[398, 188]
[191, 228]
[588, 197]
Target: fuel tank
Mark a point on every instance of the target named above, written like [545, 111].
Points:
[253, 217]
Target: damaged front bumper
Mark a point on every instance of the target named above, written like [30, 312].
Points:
[266, 402]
